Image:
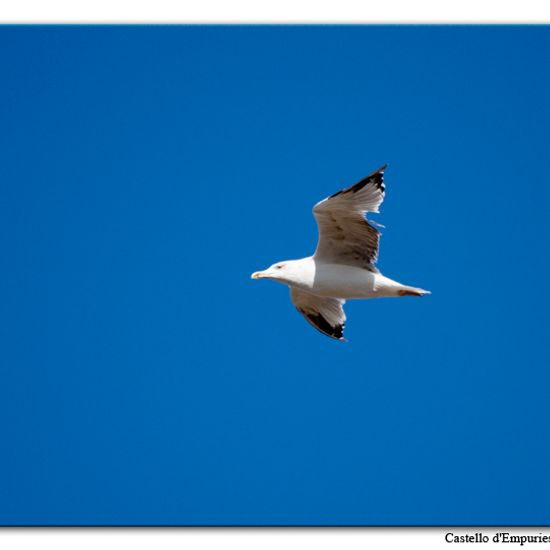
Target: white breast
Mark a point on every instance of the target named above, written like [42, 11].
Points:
[347, 282]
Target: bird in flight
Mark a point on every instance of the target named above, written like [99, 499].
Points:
[343, 265]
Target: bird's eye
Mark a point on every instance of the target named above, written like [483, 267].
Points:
[278, 266]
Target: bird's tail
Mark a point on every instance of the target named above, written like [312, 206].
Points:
[413, 291]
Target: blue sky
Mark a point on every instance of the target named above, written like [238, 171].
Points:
[147, 171]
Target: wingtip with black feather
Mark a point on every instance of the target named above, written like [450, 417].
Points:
[376, 177]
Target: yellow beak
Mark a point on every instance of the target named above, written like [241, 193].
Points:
[257, 275]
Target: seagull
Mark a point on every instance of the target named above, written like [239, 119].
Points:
[343, 265]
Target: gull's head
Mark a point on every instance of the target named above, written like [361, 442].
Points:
[276, 271]
[283, 272]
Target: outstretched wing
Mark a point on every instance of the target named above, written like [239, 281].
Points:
[325, 314]
[345, 235]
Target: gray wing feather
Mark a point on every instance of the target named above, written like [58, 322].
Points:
[345, 235]
[325, 314]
